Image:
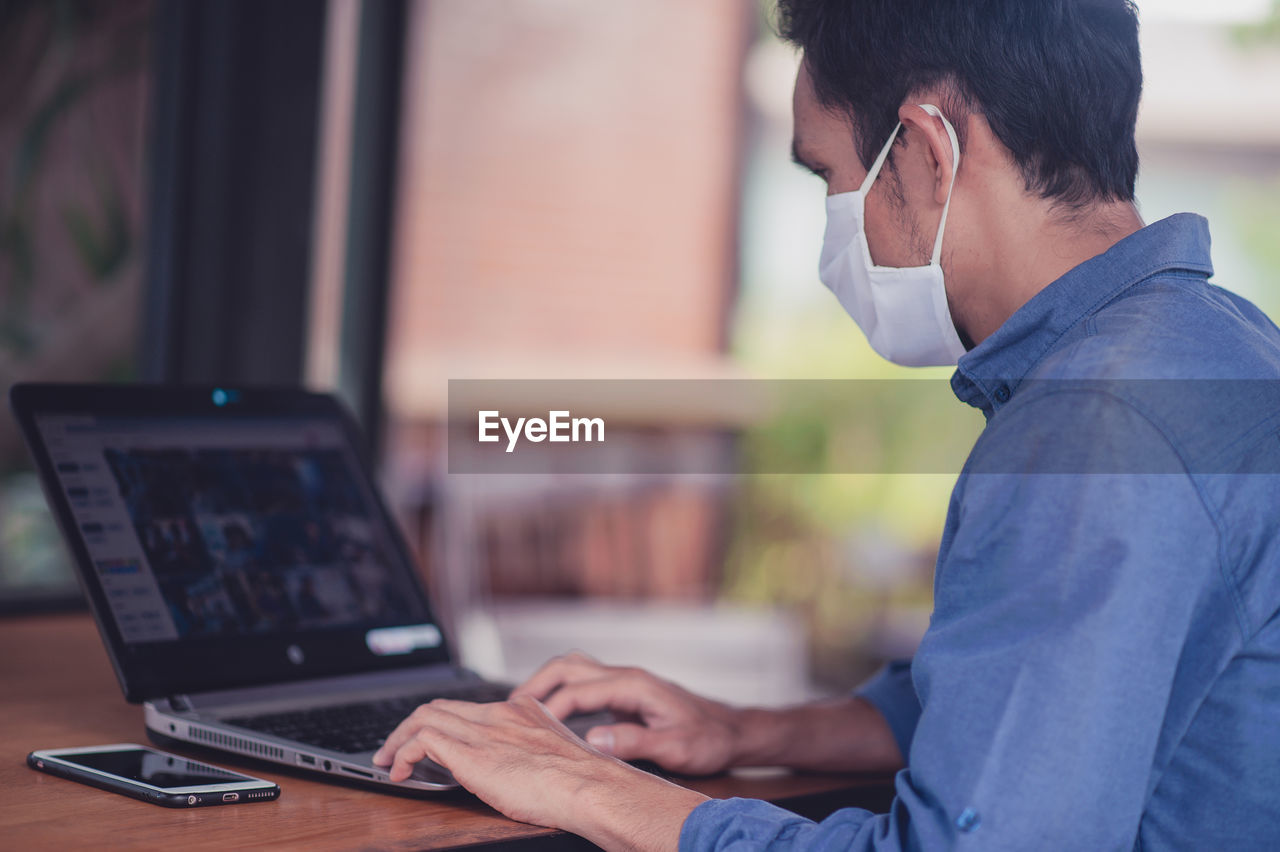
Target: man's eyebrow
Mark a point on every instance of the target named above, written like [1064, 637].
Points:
[799, 159]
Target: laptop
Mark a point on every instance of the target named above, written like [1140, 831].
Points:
[252, 590]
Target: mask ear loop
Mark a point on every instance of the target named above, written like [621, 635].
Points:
[876, 166]
[955, 167]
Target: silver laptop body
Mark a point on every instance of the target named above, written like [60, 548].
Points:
[253, 593]
[201, 719]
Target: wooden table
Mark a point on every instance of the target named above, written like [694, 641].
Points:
[57, 690]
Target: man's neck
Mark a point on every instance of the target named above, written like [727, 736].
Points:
[1036, 248]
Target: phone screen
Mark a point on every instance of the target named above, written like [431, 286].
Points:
[154, 768]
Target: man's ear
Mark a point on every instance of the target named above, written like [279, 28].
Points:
[937, 143]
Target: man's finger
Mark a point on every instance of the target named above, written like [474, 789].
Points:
[624, 741]
[399, 735]
[571, 667]
[427, 742]
[623, 692]
[406, 730]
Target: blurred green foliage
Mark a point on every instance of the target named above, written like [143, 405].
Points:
[1256, 206]
[848, 552]
[1255, 209]
[96, 228]
[1262, 32]
[64, 195]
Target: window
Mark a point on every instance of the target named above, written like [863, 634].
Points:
[73, 120]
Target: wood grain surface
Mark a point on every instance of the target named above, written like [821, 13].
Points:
[57, 690]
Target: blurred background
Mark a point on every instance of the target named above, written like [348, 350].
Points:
[375, 197]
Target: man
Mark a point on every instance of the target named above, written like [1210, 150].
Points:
[1102, 669]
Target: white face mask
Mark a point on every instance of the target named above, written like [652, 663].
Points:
[902, 311]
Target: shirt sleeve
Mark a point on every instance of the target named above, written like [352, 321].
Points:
[1061, 611]
[894, 695]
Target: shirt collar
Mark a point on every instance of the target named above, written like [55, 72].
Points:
[988, 374]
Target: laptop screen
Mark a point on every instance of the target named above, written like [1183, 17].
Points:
[227, 538]
[200, 528]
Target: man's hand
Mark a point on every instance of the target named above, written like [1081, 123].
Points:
[685, 733]
[524, 762]
[677, 730]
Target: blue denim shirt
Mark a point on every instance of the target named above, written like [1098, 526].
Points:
[1102, 667]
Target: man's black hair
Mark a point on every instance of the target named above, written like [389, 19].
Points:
[1057, 80]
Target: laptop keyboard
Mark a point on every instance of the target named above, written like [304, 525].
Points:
[360, 726]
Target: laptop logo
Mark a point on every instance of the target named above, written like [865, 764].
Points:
[295, 655]
[385, 641]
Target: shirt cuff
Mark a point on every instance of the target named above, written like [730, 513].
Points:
[894, 695]
[738, 824]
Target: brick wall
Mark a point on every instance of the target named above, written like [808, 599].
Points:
[568, 196]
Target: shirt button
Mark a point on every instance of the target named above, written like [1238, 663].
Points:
[1002, 394]
[968, 820]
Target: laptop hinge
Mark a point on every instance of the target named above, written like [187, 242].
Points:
[180, 702]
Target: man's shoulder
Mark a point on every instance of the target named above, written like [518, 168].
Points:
[1169, 327]
[1196, 367]
[1173, 375]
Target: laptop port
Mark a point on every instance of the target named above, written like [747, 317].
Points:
[359, 772]
[230, 797]
[306, 760]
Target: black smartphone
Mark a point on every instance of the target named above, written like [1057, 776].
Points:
[153, 776]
